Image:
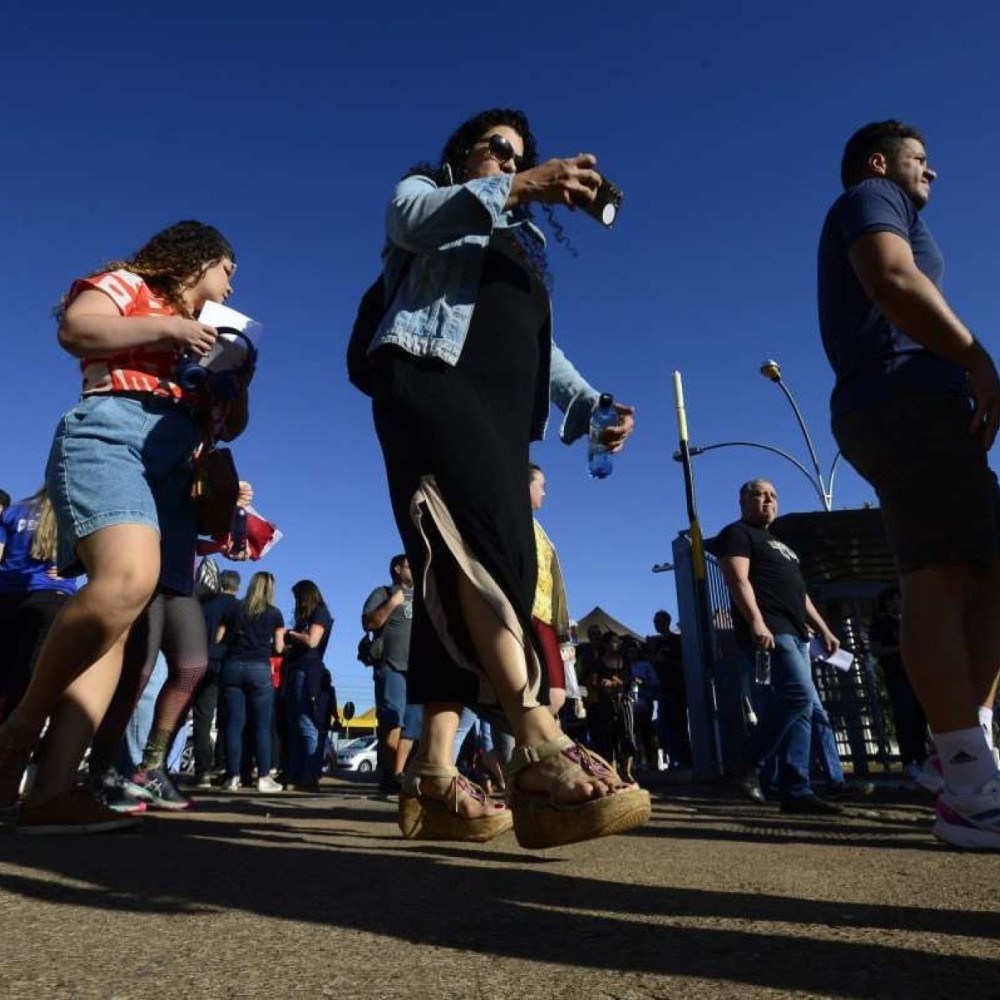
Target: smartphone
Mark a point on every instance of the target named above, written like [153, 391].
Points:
[606, 203]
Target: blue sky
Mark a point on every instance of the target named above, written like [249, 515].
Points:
[723, 123]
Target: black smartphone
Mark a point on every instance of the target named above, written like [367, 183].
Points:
[606, 203]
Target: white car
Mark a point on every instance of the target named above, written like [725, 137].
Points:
[358, 755]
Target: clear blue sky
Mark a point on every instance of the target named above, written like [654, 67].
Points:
[287, 126]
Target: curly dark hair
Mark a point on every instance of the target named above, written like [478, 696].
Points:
[876, 137]
[172, 258]
[452, 165]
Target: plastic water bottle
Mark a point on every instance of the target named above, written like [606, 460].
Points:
[762, 667]
[598, 456]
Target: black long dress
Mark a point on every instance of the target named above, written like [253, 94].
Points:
[458, 437]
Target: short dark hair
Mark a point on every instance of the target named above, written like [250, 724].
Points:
[395, 563]
[876, 137]
[4, 498]
[229, 581]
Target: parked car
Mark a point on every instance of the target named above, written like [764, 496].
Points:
[358, 755]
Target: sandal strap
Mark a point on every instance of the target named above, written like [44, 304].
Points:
[417, 769]
[523, 757]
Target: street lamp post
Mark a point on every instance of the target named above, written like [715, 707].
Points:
[771, 370]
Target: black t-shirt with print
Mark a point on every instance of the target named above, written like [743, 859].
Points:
[775, 577]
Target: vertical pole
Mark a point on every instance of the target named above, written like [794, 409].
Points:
[703, 607]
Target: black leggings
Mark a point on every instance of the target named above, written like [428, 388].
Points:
[177, 626]
[25, 620]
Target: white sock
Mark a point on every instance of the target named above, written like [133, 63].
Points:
[986, 721]
[967, 759]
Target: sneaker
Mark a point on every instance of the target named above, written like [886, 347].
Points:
[231, 784]
[970, 820]
[810, 805]
[931, 775]
[156, 788]
[109, 789]
[843, 791]
[202, 781]
[75, 811]
[268, 784]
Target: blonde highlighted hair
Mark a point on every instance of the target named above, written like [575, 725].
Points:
[43, 545]
[260, 594]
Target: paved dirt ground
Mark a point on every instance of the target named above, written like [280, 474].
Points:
[317, 896]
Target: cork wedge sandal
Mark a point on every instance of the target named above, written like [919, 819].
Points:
[541, 820]
[423, 817]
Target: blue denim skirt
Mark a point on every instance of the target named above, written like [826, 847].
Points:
[126, 460]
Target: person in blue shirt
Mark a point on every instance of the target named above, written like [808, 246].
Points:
[915, 410]
[306, 688]
[31, 594]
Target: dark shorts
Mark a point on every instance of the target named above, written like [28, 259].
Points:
[390, 697]
[940, 500]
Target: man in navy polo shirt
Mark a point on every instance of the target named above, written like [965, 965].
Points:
[915, 410]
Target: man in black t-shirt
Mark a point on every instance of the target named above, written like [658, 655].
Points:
[773, 614]
[667, 657]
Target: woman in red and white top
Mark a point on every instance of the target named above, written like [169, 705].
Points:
[119, 475]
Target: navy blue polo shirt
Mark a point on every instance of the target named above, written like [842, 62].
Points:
[872, 359]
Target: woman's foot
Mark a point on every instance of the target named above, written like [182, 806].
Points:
[570, 776]
[562, 793]
[439, 803]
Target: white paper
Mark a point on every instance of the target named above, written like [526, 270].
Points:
[229, 352]
[842, 660]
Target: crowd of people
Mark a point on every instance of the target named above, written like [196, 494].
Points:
[455, 346]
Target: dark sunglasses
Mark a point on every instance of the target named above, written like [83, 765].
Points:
[502, 151]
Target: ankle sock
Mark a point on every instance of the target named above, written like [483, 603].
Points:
[155, 752]
[967, 759]
[986, 721]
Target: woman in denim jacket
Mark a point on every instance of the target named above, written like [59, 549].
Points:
[465, 367]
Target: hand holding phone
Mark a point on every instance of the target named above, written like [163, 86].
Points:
[606, 203]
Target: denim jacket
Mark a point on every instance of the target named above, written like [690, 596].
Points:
[447, 231]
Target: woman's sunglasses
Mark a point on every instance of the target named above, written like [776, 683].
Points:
[502, 151]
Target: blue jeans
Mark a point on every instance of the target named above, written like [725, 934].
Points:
[305, 742]
[785, 717]
[247, 684]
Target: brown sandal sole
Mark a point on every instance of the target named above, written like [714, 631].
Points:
[422, 818]
[538, 823]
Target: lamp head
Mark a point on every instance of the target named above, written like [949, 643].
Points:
[771, 370]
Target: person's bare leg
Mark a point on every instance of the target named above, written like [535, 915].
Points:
[80, 662]
[437, 746]
[503, 661]
[403, 748]
[557, 698]
[935, 640]
[982, 629]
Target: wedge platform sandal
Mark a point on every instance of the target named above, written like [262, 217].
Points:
[424, 817]
[540, 820]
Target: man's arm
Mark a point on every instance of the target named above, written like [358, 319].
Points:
[736, 571]
[884, 264]
[815, 619]
[372, 621]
